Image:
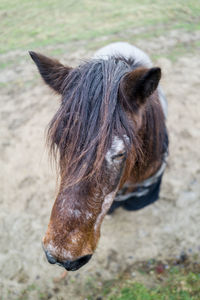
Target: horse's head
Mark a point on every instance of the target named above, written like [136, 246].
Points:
[95, 132]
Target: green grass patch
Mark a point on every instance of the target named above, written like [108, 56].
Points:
[138, 291]
[179, 281]
[31, 24]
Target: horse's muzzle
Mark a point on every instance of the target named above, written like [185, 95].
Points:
[68, 264]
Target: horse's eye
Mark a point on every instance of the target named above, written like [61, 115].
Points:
[119, 156]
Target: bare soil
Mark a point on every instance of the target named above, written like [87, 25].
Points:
[28, 186]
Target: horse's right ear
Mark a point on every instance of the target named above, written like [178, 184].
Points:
[139, 84]
[51, 70]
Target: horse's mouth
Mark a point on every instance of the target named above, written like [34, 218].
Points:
[75, 265]
[69, 265]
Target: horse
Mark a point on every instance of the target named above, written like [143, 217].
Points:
[110, 141]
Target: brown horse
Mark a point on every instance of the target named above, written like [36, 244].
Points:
[110, 138]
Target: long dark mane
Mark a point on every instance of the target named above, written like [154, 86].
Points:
[90, 114]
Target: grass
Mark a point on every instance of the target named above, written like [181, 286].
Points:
[177, 282]
[138, 291]
[31, 24]
[178, 50]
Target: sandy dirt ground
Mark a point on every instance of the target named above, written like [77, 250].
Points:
[28, 185]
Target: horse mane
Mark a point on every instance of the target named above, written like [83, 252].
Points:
[90, 114]
[153, 134]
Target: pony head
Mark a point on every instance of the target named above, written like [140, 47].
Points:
[96, 138]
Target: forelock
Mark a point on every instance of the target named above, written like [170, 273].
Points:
[89, 116]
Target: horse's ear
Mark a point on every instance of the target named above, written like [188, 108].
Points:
[139, 84]
[51, 70]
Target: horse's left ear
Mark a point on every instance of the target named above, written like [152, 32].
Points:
[139, 84]
[51, 70]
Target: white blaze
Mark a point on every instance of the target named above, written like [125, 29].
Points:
[105, 207]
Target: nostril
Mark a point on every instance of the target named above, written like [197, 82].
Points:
[50, 258]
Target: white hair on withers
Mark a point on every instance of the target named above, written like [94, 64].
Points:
[126, 50]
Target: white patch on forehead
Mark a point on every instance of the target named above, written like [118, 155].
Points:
[117, 144]
[105, 207]
[116, 147]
